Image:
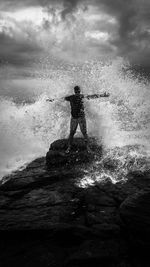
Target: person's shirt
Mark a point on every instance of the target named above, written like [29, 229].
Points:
[77, 105]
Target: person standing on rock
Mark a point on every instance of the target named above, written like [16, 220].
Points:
[78, 114]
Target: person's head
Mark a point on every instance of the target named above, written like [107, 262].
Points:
[77, 90]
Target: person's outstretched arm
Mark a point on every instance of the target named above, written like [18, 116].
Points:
[97, 95]
[55, 99]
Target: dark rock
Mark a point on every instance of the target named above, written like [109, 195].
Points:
[56, 155]
[100, 198]
[103, 215]
[37, 209]
[70, 235]
[47, 219]
[4, 201]
[135, 213]
[121, 190]
[105, 230]
[56, 158]
[30, 253]
[95, 253]
[78, 145]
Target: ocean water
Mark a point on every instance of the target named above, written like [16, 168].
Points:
[121, 123]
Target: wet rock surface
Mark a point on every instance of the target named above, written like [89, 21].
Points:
[56, 155]
[135, 213]
[47, 219]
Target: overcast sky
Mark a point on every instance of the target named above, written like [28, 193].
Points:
[74, 30]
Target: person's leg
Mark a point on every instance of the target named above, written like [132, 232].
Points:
[73, 128]
[83, 128]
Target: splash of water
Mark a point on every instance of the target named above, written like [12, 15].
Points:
[115, 166]
[27, 129]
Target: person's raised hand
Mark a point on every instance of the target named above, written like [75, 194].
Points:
[50, 99]
[106, 94]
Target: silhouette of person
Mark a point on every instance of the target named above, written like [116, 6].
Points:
[78, 115]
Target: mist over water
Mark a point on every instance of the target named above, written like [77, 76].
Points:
[121, 122]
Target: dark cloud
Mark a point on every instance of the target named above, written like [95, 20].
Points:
[133, 17]
[17, 52]
[133, 23]
[11, 5]
[69, 7]
[130, 36]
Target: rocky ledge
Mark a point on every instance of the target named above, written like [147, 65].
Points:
[46, 219]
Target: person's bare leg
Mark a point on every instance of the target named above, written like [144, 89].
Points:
[83, 128]
[73, 128]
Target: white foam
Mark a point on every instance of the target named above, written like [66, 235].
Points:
[28, 129]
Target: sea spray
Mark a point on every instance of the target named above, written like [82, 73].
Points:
[28, 127]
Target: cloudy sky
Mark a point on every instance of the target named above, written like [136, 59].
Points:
[74, 31]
